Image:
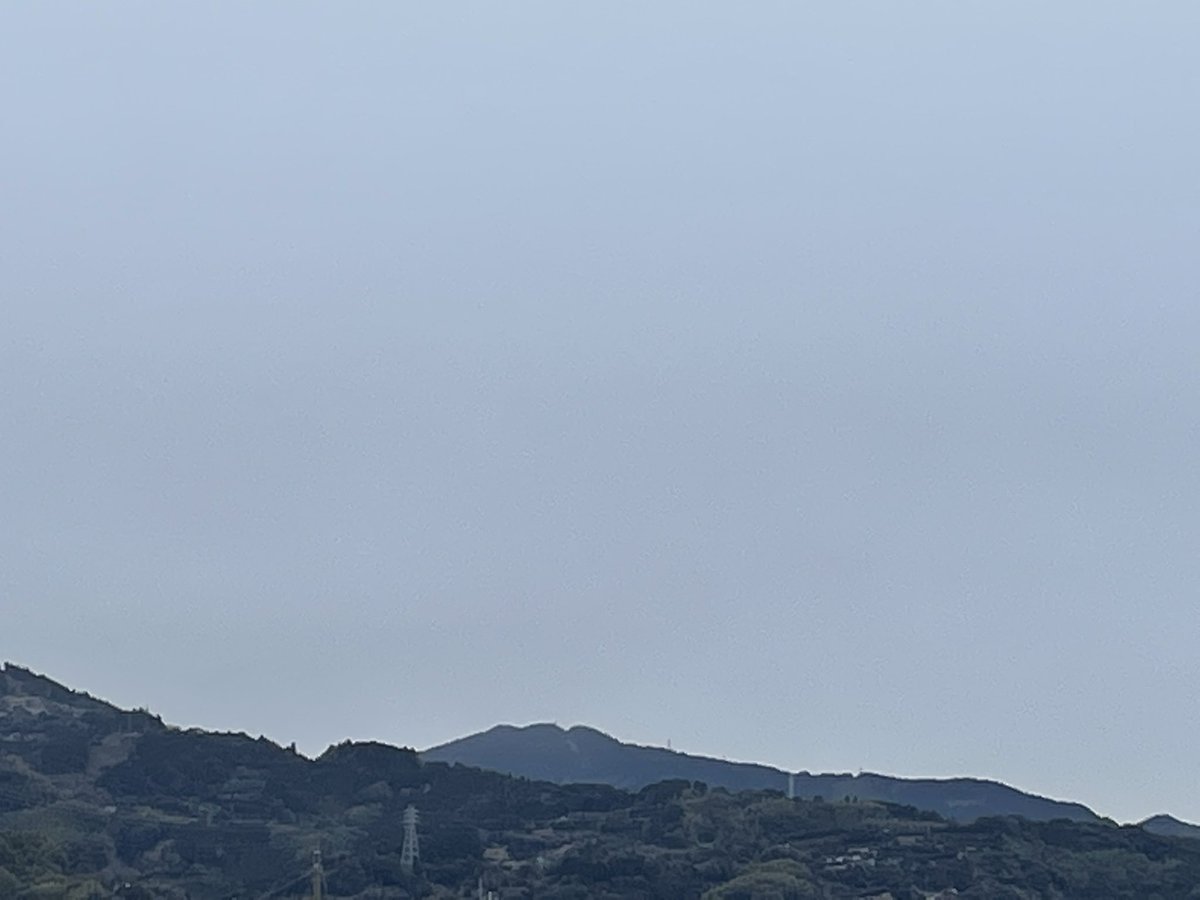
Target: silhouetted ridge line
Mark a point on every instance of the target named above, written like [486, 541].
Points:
[582, 754]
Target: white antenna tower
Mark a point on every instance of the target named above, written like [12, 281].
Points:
[411, 851]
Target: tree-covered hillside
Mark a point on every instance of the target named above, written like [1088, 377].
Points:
[96, 802]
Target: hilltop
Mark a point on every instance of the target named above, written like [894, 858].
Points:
[1171, 826]
[98, 802]
[582, 754]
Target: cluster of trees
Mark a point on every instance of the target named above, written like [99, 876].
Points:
[35, 867]
[215, 815]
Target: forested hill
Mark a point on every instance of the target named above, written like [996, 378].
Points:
[98, 802]
[1171, 826]
[582, 754]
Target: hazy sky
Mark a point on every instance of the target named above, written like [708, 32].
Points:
[814, 384]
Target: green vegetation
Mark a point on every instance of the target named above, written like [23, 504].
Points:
[547, 752]
[153, 812]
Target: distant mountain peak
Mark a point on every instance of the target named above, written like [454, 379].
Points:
[1170, 826]
[583, 754]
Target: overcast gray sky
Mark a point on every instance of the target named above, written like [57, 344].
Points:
[807, 383]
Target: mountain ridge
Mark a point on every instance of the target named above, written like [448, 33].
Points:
[581, 754]
[102, 803]
[1170, 826]
[672, 764]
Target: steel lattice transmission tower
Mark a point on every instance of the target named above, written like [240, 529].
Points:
[411, 851]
